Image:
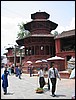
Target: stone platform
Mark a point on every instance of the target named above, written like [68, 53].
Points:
[64, 74]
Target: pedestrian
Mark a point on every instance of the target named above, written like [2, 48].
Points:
[5, 80]
[9, 69]
[19, 72]
[30, 72]
[41, 77]
[32, 69]
[52, 75]
[12, 69]
[16, 71]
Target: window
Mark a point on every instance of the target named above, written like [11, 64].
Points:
[37, 50]
[47, 50]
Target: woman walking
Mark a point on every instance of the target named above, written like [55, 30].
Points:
[5, 80]
[41, 77]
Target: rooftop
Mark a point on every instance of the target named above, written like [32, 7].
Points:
[66, 34]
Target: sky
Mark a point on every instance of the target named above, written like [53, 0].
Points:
[16, 12]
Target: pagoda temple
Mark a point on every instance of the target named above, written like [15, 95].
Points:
[40, 44]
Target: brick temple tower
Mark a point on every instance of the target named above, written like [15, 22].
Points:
[40, 44]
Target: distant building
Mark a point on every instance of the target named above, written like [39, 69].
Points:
[11, 54]
[65, 45]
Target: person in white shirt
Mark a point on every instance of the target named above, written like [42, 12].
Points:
[52, 75]
[41, 77]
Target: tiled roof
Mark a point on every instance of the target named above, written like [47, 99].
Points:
[37, 35]
[21, 41]
[66, 34]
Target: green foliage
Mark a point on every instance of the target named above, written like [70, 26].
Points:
[55, 33]
[39, 89]
[22, 32]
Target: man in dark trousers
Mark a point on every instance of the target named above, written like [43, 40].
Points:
[52, 75]
[30, 72]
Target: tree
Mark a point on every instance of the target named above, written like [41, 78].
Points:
[55, 33]
[22, 33]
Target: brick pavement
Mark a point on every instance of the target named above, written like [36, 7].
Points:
[25, 88]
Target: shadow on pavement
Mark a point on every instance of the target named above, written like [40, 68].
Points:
[60, 96]
[10, 93]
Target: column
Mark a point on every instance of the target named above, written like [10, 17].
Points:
[57, 45]
[15, 56]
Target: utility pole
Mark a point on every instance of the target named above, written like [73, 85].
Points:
[21, 57]
[15, 56]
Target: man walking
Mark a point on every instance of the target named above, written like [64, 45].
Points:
[52, 75]
[30, 72]
[19, 71]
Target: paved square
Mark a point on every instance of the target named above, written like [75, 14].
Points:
[25, 88]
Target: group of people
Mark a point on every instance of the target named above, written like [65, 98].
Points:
[52, 76]
[10, 68]
[7, 71]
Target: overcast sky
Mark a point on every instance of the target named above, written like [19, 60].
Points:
[15, 12]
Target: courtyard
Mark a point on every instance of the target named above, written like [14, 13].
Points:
[25, 88]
